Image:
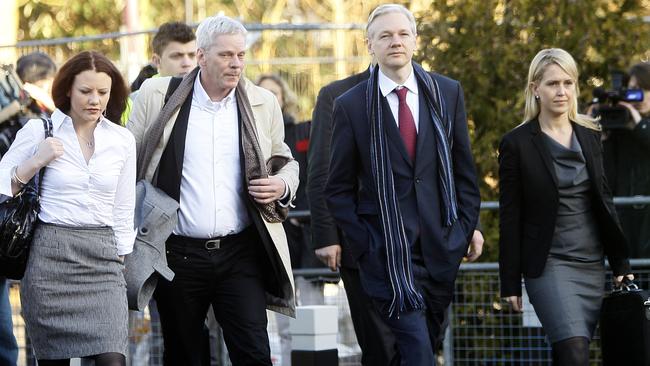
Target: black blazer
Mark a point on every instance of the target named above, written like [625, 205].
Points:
[352, 196]
[528, 204]
[324, 231]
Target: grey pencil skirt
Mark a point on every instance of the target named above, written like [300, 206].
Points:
[567, 298]
[73, 294]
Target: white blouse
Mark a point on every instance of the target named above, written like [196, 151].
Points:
[99, 193]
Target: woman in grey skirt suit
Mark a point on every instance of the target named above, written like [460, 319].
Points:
[73, 294]
[557, 218]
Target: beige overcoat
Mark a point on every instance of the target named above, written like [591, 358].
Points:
[270, 131]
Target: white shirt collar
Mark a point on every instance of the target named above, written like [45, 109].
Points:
[58, 118]
[386, 85]
[203, 99]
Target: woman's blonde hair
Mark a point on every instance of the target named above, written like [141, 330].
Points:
[289, 98]
[541, 61]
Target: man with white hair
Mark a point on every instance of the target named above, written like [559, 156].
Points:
[209, 142]
[402, 184]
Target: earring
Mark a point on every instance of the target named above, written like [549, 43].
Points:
[537, 97]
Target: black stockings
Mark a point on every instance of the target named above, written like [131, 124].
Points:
[571, 352]
[103, 359]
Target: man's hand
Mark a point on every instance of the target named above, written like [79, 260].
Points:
[515, 302]
[330, 255]
[618, 280]
[266, 190]
[475, 246]
[634, 113]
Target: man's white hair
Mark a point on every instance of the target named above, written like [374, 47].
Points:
[212, 27]
[391, 8]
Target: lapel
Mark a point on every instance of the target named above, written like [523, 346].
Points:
[591, 154]
[170, 166]
[426, 149]
[180, 132]
[540, 145]
[392, 131]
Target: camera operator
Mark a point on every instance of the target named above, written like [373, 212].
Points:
[37, 70]
[627, 162]
[25, 94]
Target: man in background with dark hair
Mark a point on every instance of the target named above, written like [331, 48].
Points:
[25, 93]
[174, 49]
[174, 54]
[36, 70]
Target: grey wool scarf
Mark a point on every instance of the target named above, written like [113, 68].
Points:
[254, 164]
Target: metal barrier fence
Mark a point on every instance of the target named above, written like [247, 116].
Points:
[145, 334]
[482, 329]
[485, 331]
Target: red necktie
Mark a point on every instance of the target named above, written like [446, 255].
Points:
[406, 123]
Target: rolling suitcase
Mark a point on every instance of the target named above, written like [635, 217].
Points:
[625, 327]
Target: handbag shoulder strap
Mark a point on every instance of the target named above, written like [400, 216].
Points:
[47, 127]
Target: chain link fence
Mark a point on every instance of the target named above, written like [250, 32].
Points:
[146, 342]
[485, 331]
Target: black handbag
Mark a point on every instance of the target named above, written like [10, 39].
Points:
[18, 219]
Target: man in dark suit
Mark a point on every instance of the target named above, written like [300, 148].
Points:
[375, 339]
[402, 184]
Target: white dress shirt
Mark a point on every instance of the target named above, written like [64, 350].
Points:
[75, 193]
[212, 190]
[387, 86]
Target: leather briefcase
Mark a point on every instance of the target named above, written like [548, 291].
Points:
[625, 327]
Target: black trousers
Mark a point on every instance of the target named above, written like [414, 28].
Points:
[437, 297]
[375, 338]
[417, 334]
[230, 278]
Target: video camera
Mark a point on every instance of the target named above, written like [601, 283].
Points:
[614, 116]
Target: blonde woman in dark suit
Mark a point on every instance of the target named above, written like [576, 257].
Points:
[557, 218]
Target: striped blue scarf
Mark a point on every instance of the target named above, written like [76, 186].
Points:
[405, 296]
